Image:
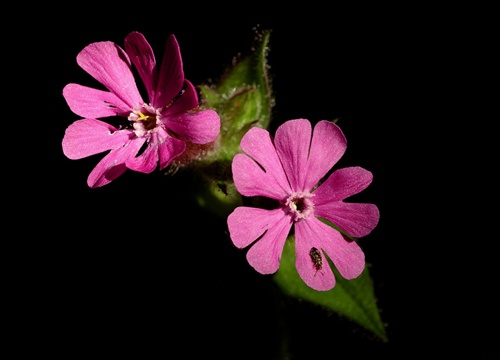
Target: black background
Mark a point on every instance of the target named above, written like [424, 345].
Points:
[134, 268]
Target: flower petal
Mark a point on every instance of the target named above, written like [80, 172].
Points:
[264, 174]
[246, 224]
[292, 140]
[104, 175]
[265, 255]
[160, 147]
[110, 65]
[306, 160]
[146, 162]
[345, 254]
[355, 219]
[169, 150]
[327, 147]
[187, 101]
[93, 103]
[113, 164]
[142, 56]
[307, 237]
[251, 180]
[199, 127]
[90, 136]
[343, 183]
[171, 77]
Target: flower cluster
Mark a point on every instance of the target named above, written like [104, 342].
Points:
[290, 168]
[153, 133]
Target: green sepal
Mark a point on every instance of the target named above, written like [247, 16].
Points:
[354, 299]
[243, 99]
[218, 197]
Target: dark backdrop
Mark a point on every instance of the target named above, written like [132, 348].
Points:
[134, 268]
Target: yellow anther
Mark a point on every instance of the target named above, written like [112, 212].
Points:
[142, 116]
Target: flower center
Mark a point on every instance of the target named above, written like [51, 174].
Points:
[144, 120]
[299, 206]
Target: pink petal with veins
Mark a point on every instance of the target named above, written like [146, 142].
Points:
[199, 127]
[187, 101]
[93, 103]
[171, 78]
[319, 279]
[113, 164]
[248, 224]
[292, 140]
[251, 180]
[328, 145]
[345, 254]
[356, 219]
[258, 145]
[88, 137]
[142, 56]
[110, 65]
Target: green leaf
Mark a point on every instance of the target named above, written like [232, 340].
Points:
[354, 299]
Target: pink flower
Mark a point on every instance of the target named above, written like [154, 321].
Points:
[152, 134]
[289, 169]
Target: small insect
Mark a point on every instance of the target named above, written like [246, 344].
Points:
[316, 258]
[222, 187]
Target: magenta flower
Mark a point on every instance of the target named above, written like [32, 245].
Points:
[290, 169]
[153, 133]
